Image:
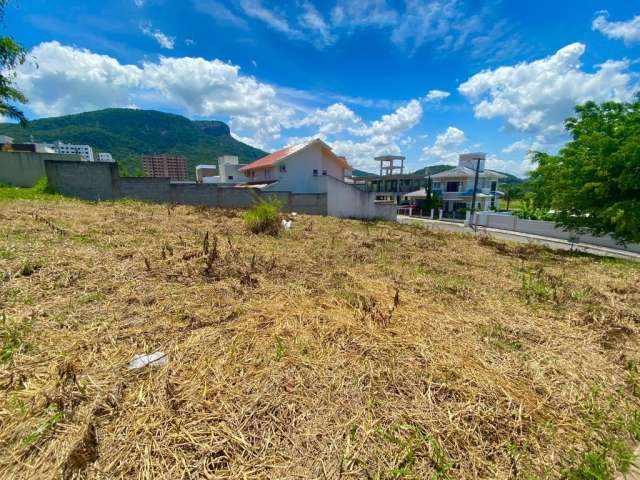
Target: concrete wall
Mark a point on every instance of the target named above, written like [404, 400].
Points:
[347, 201]
[87, 180]
[100, 181]
[546, 229]
[24, 169]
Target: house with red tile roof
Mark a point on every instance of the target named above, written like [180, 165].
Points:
[296, 168]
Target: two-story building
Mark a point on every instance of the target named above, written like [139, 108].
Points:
[297, 168]
[455, 186]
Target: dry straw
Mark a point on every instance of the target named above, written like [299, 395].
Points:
[337, 349]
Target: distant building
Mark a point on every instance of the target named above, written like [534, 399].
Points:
[105, 157]
[85, 151]
[6, 139]
[205, 173]
[170, 166]
[455, 186]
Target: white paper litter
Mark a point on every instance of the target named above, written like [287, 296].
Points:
[155, 359]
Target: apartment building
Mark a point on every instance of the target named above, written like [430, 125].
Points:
[171, 166]
[85, 151]
[105, 157]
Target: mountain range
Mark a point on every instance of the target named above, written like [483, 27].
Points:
[128, 134]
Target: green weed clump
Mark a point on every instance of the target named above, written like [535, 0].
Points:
[40, 191]
[264, 217]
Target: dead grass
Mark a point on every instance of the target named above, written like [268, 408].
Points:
[338, 349]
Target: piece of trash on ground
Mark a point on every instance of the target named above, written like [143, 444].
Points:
[155, 359]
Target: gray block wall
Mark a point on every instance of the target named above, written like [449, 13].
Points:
[101, 181]
[24, 169]
[86, 180]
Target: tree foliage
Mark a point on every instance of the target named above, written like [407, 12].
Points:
[593, 183]
[12, 54]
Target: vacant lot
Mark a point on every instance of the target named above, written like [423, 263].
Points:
[338, 349]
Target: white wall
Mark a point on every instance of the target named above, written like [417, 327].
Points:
[546, 229]
[347, 201]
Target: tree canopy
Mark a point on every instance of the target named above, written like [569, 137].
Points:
[593, 183]
[12, 54]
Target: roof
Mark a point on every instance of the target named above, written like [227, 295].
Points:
[275, 157]
[466, 172]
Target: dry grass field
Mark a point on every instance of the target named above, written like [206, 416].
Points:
[336, 350]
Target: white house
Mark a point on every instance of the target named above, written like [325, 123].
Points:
[297, 168]
[455, 186]
[313, 168]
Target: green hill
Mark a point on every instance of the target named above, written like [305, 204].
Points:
[433, 169]
[128, 134]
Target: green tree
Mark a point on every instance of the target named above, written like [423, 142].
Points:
[593, 183]
[12, 54]
[512, 191]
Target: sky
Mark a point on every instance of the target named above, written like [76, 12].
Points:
[427, 79]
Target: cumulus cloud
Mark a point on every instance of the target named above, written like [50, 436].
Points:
[629, 30]
[402, 119]
[537, 96]
[69, 80]
[446, 147]
[163, 40]
[335, 118]
[436, 95]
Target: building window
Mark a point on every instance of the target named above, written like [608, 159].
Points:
[315, 172]
[283, 168]
[494, 186]
[453, 186]
[324, 172]
[230, 177]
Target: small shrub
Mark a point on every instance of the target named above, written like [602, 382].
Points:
[264, 217]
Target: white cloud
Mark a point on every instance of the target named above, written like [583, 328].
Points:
[436, 95]
[362, 154]
[313, 21]
[425, 21]
[139, 3]
[446, 147]
[537, 96]
[519, 146]
[334, 119]
[70, 80]
[220, 13]
[358, 13]
[519, 168]
[272, 18]
[628, 31]
[163, 40]
[402, 119]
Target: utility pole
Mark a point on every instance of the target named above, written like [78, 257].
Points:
[473, 199]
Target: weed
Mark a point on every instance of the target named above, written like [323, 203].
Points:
[11, 339]
[28, 268]
[279, 348]
[54, 416]
[39, 191]
[6, 254]
[264, 217]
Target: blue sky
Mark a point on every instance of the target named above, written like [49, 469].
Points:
[425, 78]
